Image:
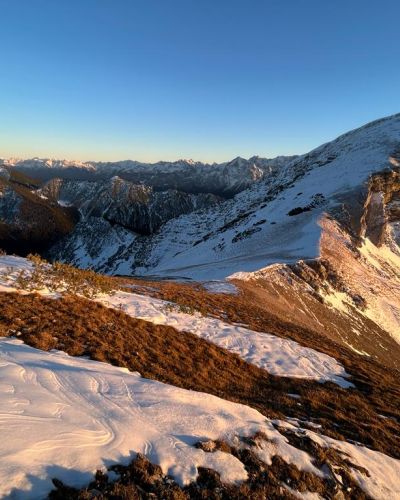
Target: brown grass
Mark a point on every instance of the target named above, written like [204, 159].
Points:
[271, 308]
[82, 327]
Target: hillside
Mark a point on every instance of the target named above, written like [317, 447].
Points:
[29, 222]
[241, 341]
[292, 419]
[329, 218]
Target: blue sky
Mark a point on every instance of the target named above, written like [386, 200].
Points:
[201, 79]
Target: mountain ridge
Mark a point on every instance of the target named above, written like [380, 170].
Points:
[225, 179]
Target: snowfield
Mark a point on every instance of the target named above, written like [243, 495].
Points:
[65, 417]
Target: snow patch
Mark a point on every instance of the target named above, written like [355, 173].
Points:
[220, 287]
[276, 355]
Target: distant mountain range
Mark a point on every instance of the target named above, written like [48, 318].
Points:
[224, 179]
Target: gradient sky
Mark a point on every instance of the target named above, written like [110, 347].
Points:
[201, 79]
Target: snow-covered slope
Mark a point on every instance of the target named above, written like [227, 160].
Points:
[275, 220]
[66, 417]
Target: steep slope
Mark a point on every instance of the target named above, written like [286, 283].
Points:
[275, 220]
[29, 222]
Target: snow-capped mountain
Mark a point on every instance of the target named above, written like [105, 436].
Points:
[180, 220]
[275, 220]
[225, 179]
[303, 340]
[137, 207]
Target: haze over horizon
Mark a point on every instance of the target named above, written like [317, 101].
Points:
[152, 81]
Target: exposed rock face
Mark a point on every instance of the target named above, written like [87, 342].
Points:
[382, 209]
[136, 207]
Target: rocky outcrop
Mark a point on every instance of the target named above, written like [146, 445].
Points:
[382, 208]
[136, 207]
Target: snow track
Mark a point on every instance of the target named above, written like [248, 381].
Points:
[64, 417]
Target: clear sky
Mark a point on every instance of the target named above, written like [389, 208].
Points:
[201, 79]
